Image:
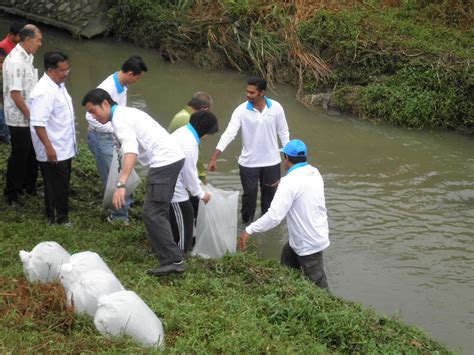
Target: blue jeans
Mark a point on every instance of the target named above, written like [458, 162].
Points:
[102, 146]
[4, 132]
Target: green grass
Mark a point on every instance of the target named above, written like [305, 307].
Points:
[240, 304]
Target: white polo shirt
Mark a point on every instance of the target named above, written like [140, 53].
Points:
[138, 133]
[259, 133]
[299, 197]
[188, 178]
[18, 75]
[51, 108]
[118, 93]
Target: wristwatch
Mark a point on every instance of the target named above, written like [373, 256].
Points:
[120, 184]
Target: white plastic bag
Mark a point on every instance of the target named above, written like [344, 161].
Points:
[216, 229]
[85, 293]
[71, 272]
[41, 264]
[114, 173]
[125, 313]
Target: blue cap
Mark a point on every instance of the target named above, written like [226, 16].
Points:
[295, 148]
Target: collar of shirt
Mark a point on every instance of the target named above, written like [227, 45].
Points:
[296, 166]
[27, 56]
[193, 131]
[267, 102]
[52, 83]
[188, 109]
[119, 86]
[112, 111]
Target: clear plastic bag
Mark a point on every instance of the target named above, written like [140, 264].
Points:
[216, 228]
[114, 173]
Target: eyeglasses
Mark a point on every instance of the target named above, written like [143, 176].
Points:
[63, 71]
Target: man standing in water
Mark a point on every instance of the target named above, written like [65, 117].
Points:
[299, 197]
[54, 134]
[100, 137]
[19, 79]
[263, 121]
[142, 138]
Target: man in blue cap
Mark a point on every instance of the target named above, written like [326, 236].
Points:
[299, 197]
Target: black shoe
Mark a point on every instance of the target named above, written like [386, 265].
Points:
[168, 269]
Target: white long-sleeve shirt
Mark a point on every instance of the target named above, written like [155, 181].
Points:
[299, 197]
[188, 178]
[140, 134]
[51, 108]
[260, 133]
[118, 93]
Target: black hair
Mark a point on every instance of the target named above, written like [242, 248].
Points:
[3, 53]
[260, 83]
[16, 26]
[96, 97]
[296, 160]
[135, 64]
[204, 122]
[51, 59]
[27, 31]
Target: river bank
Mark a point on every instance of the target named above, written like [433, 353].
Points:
[407, 63]
[238, 304]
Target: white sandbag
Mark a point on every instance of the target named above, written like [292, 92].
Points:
[114, 173]
[125, 313]
[216, 228]
[85, 293]
[41, 264]
[70, 273]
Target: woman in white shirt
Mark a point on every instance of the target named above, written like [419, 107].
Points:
[201, 124]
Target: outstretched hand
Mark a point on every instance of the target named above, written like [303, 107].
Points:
[243, 240]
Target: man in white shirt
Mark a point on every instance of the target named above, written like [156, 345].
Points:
[299, 197]
[143, 139]
[201, 125]
[52, 124]
[100, 137]
[262, 121]
[19, 79]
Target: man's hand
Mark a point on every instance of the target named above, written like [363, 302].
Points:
[207, 197]
[51, 154]
[119, 198]
[212, 166]
[243, 240]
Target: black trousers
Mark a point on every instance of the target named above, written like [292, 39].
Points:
[56, 177]
[311, 265]
[182, 223]
[160, 186]
[22, 166]
[250, 178]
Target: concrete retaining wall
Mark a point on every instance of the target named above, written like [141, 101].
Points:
[81, 17]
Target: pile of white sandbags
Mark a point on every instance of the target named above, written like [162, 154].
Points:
[93, 288]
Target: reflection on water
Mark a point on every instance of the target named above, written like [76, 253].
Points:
[400, 202]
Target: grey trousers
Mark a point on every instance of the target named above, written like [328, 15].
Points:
[311, 265]
[159, 192]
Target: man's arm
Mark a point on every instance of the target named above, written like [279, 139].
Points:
[50, 151]
[20, 103]
[129, 161]
[282, 128]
